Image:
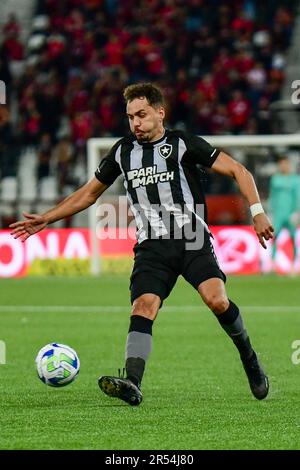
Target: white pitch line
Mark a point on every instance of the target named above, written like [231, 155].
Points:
[120, 308]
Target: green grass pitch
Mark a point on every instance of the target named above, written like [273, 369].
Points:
[196, 394]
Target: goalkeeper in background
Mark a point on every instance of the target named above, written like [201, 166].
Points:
[284, 205]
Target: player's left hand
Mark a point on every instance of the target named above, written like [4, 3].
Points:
[263, 228]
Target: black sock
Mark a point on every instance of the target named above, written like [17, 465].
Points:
[135, 367]
[138, 347]
[231, 322]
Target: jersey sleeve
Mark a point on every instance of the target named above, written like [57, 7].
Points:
[201, 151]
[109, 169]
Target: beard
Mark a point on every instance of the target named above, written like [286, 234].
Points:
[144, 137]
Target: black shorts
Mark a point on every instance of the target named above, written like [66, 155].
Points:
[158, 263]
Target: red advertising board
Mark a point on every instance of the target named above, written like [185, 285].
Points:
[236, 247]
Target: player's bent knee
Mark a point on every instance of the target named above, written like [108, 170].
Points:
[147, 305]
[217, 304]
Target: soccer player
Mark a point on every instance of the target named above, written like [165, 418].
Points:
[284, 204]
[159, 167]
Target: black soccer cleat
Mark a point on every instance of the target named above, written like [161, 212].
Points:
[119, 387]
[258, 381]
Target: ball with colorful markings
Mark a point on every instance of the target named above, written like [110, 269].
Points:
[57, 364]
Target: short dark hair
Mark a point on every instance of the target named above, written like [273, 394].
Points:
[282, 158]
[151, 92]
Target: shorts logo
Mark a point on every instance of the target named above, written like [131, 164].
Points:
[165, 150]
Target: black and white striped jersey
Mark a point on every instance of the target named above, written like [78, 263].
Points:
[161, 179]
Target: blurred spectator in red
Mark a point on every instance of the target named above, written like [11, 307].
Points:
[82, 126]
[12, 26]
[220, 123]
[114, 51]
[13, 48]
[207, 87]
[239, 111]
[74, 24]
[31, 123]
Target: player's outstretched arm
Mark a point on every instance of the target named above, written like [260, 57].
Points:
[76, 202]
[226, 165]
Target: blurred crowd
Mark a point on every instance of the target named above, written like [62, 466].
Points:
[220, 63]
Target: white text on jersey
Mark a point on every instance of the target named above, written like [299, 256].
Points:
[148, 175]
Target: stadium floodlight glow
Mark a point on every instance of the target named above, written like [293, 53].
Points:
[97, 148]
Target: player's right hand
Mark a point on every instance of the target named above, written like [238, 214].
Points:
[23, 229]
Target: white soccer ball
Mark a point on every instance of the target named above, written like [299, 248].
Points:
[57, 364]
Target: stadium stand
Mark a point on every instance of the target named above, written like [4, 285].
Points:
[220, 63]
